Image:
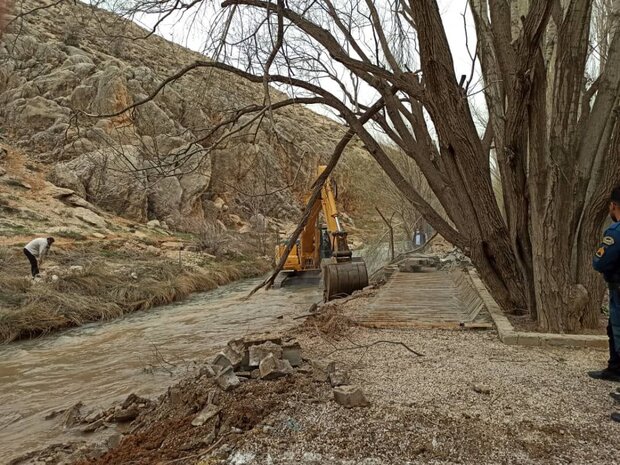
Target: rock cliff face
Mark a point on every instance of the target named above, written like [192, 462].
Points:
[62, 64]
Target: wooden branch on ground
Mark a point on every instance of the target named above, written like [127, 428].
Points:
[368, 346]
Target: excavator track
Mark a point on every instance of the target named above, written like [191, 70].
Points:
[344, 278]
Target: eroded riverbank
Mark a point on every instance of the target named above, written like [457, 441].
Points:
[143, 353]
[468, 399]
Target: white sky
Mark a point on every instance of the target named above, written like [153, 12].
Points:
[192, 35]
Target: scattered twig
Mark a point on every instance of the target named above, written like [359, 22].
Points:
[367, 346]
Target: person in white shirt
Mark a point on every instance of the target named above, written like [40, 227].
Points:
[36, 250]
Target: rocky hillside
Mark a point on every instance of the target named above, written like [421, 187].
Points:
[67, 61]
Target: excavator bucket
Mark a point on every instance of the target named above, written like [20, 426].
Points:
[344, 278]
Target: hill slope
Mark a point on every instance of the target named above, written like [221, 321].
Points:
[63, 61]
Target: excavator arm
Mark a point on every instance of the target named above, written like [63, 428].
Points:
[342, 274]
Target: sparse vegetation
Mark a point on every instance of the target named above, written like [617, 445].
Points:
[70, 234]
[101, 290]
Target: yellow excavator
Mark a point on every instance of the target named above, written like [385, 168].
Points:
[324, 250]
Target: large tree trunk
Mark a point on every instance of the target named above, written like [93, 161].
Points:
[553, 133]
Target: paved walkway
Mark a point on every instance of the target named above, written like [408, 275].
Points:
[427, 299]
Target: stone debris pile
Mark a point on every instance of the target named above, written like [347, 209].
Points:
[254, 358]
[270, 358]
[94, 420]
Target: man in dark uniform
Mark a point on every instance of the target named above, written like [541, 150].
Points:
[607, 261]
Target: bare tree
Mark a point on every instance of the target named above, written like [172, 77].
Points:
[551, 85]
[555, 135]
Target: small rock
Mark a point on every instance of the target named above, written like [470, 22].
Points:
[291, 351]
[89, 217]
[255, 374]
[242, 458]
[114, 440]
[258, 352]
[55, 278]
[132, 399]
[2, 171]
[482, 389]
[209, 438]
[235, 219]
[94, 426]
[219, 203]
[236, 430]
[93, 416]
[312, 457]
[338, 378]
[71, 416]
[319, 370]
[206, 414]
[76, 268]
[272, 368]
[350, 396]
[98, 235]
[227, 379]
[153, 224]
[126, 415]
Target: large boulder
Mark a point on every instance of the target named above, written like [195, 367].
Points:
[112, 95]
[34, 115]
[110, 178]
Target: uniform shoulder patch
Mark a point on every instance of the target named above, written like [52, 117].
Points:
[608, 240]
[600, 252]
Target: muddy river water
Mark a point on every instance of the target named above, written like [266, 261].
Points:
[143, 353]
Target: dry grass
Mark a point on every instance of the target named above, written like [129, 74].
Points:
[102, 291]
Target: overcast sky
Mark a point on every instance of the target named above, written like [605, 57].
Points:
[192, 35]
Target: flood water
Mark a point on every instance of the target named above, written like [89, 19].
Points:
[143, 353]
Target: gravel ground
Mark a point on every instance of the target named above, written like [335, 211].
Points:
[469, 399]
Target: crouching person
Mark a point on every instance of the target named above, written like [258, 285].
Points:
[35, 251]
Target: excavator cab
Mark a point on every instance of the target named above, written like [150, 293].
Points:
[324, 249]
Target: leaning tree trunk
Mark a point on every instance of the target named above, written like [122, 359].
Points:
[550, 130]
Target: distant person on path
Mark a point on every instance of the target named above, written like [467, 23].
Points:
[36, 250]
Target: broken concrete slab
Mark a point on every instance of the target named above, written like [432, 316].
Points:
[239, 347]
[350, 396]
[209, 371]
[206, 414]
[228, 357]
[258, 352]
[291, 351]
[273, 368]
[227, 379]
